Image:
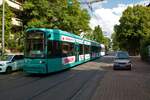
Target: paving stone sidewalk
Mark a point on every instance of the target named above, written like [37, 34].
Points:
[125, 85]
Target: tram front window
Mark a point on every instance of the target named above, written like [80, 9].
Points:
[35, 44]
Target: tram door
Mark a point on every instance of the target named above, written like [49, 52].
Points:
[77, 52]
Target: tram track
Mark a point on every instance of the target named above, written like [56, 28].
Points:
[46, 80]
[23, 80]
[55, 85]
[78, 90]
[15, 75]
[87, 89]
[80, 82]
[17, 84]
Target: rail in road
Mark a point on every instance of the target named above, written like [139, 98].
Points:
[95, 80]
[65, 85]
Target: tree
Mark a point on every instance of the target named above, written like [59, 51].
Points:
[99, 37]
[55, 14]
[144, 50]
[107, 43]
[8, 25]
[115, 44]
[98, 34]
[134, 26]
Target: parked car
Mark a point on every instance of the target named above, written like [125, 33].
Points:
[9, 63]
[122, 61]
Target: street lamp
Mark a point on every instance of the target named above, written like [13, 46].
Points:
[3, 27]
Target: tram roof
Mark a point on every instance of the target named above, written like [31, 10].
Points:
[64, 33]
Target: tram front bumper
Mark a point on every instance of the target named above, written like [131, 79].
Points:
[35, 69]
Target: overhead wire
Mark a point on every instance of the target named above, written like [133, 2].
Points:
[94, 14]
[89, 4]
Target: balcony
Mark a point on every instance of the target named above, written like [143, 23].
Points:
[14, 4]
[1, 2]
[17, 22]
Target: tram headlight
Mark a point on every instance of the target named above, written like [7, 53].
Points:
[42, 62]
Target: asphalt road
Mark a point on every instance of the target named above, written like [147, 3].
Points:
[94, 80]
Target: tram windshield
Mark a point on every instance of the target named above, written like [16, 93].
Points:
[34, 44]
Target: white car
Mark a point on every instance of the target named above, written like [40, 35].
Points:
[9, 63]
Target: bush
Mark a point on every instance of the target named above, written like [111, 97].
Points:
[144, 50]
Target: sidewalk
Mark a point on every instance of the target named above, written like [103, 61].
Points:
[125, 85]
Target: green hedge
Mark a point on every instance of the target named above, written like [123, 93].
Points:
[144, 50]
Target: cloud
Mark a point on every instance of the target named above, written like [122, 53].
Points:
[145, 2]
[108, 17]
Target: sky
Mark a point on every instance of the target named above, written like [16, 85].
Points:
[107, 13]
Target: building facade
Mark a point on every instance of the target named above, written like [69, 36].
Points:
[16, 22]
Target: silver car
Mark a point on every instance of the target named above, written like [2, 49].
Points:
[122, 61]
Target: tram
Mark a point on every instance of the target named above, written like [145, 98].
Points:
[102, 49]
[51, 50]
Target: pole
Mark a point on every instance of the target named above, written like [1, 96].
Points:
[3, 28]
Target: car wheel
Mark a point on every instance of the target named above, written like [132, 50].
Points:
[130, 68]
[8, 70]
[114, 68]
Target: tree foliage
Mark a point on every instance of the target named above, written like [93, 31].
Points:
[55, 14]
[97, 35]
[107, 43]
[144, 50]
[8, 24]
[134, 26]
[115, 44]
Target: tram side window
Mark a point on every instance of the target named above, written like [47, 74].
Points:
[67, 49]
[87, 49]
[99, 49]
[54, 49]
[93, 49]
[96, 49]
[81, 49]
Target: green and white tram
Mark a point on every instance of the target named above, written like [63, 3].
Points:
[51, 50]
